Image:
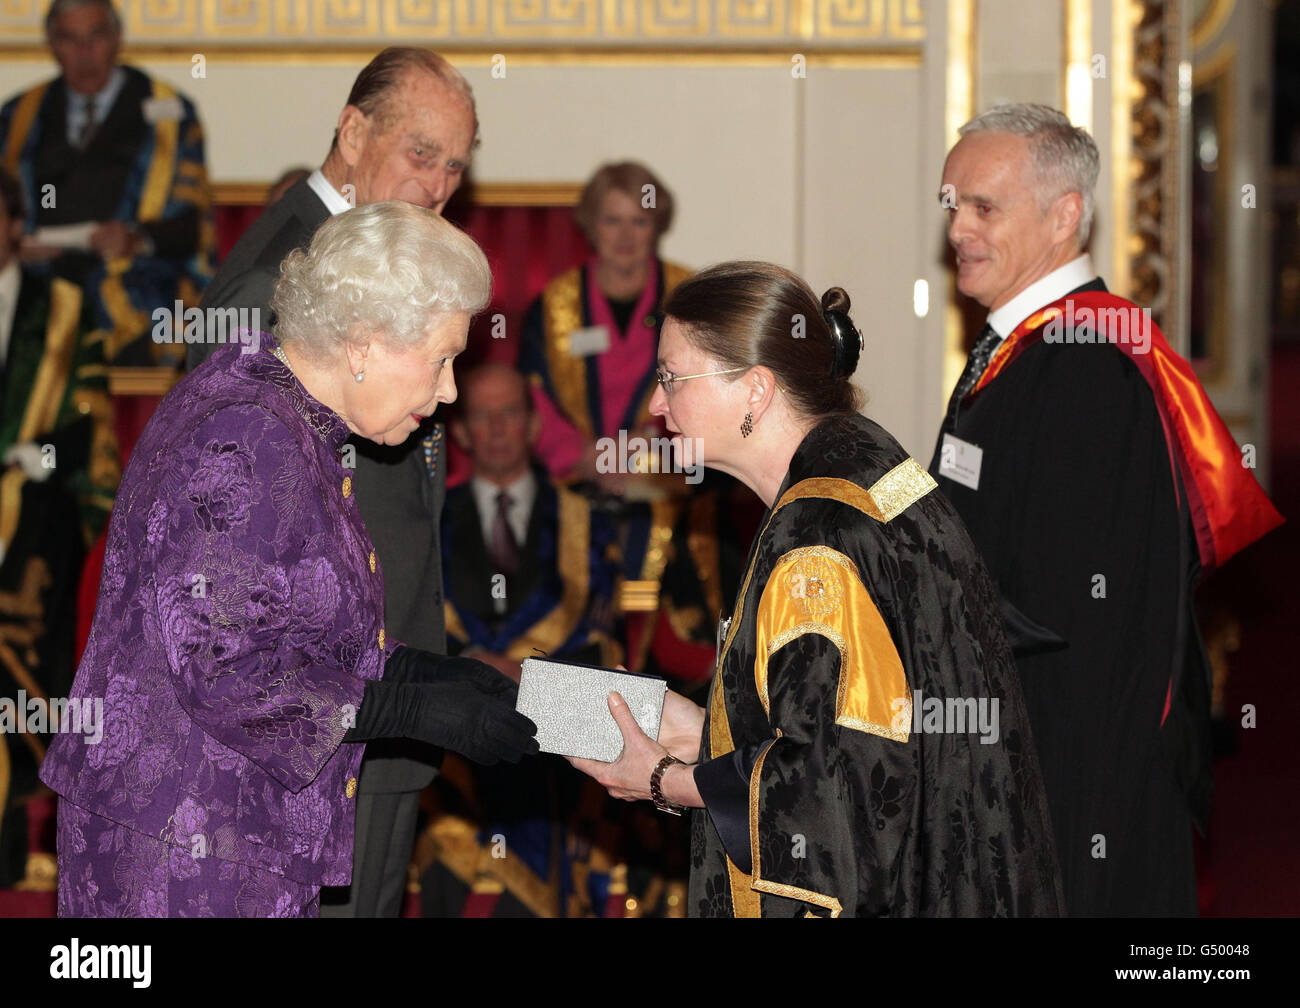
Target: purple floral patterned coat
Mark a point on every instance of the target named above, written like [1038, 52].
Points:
[240, 611]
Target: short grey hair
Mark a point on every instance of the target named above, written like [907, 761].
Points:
[60, 7]
[1065, 156]
[374, 91]
[389, 268]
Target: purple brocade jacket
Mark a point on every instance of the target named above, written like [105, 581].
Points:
[240, 612]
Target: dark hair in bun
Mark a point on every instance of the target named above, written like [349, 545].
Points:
[844, 335]
[744, 314]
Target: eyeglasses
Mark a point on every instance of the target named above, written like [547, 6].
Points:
[667, 378]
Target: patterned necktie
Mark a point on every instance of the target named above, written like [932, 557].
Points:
[87, 123]
[978, 360]
[505, 548]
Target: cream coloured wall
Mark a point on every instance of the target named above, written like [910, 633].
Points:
[868, 217]
[763, 165]
[832, 174]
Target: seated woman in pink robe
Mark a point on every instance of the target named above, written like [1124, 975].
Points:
[590, 337]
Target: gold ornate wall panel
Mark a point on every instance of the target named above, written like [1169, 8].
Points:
[1153, 175]
[960, 87]
[811, 25]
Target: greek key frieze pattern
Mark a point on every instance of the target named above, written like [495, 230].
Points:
[584, 23]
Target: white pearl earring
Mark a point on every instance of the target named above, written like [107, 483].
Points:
[359, 376]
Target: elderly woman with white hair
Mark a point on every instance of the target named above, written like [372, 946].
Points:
[238, 643]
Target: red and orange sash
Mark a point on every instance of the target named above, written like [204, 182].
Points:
[1229, 508]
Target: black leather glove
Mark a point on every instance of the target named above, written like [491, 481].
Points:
[411, 665]
[481, 726]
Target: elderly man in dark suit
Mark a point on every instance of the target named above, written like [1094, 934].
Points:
[406, 133]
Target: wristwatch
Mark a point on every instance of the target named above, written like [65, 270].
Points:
[657, 789]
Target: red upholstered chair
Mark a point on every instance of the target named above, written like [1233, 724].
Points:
[526, 246]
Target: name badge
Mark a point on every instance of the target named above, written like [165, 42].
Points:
[960, 461]
[592, 340]
[161, 109]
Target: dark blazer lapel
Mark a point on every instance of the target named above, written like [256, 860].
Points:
[468, 574]
[48, 142]
[530, 572]
[296, 219]
[307, 207]
[125, 121]
[52, 122]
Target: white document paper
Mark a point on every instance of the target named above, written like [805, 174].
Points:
[157, 110]
[592, 340]
[65, 236]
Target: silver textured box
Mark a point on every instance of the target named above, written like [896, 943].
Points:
[570, 706]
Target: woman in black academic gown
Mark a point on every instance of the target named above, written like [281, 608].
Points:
[865, 751]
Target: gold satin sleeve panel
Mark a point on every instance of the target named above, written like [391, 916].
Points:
[61, 331]
[817, 590]
[561, 315]
[161, 173]
[20, 126]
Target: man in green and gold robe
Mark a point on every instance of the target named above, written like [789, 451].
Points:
[60, 472]
[117, 194]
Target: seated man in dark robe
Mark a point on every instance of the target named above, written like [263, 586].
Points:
[527, 561]
[530, 570]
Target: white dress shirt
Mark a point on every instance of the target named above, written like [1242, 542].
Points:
[25, 453]
[1041, 293]
[102, 101]
[522, 493]
[10, 281]
[331, 197]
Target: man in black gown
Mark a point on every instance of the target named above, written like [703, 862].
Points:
[1059, 452]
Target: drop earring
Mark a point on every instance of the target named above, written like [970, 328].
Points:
[360, 376]
[747, 428]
